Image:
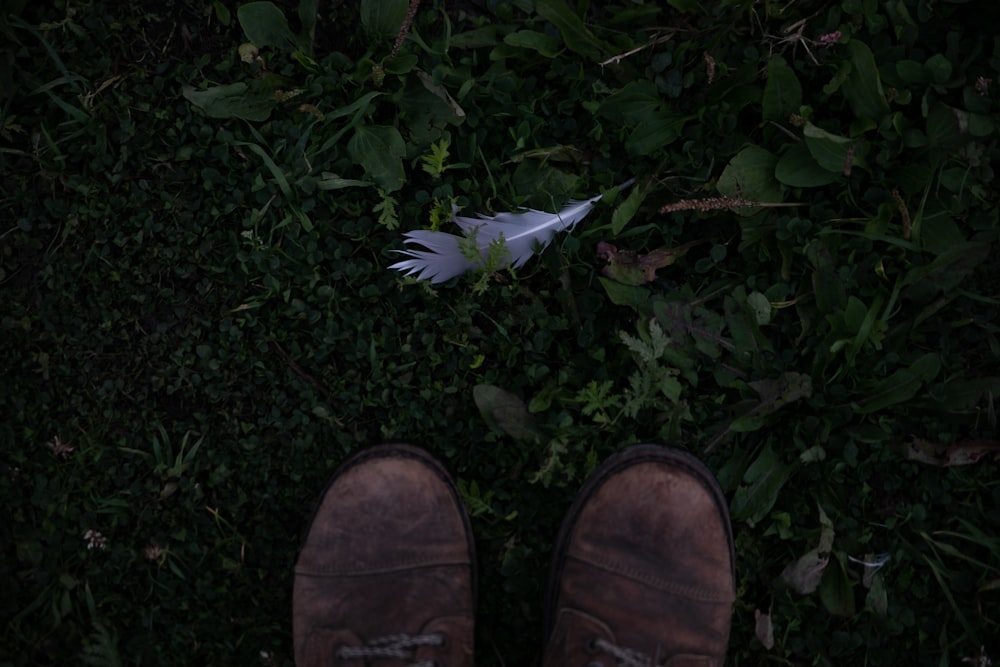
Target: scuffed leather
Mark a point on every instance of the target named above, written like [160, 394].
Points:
[646, 562]
[389, 552]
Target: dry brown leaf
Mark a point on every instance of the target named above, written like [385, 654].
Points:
[960, 453]
[631, 268]
[764, 629]
[803, 575]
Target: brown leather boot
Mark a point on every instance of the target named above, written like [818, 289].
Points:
[387, 573]
[643, 569]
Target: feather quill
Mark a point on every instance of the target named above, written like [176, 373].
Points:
[522, 233]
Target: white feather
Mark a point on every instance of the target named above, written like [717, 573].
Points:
[521, 233]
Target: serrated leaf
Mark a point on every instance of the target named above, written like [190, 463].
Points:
[776, 393]
[703, 326]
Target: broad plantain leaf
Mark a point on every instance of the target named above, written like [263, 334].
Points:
[265, 25]
[380, 150]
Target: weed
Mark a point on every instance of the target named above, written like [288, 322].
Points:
[200, 204]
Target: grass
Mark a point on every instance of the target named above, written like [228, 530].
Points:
[197, 323]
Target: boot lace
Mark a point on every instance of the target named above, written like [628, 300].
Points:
[625, 657]
[402, 647]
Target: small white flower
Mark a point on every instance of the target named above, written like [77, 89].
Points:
[59, 448]
[95, 540]
[981, 660]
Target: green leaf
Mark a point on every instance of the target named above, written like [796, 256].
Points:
[685, 6]
[653, 134]
[543, 186]
[388, 213]
[380, 150]
[948, 270]
[902, 385]
[783, 92]
[637, 102]
[625, 211]
[750, 174]
[742, 323]
[746, 424]
[949, 129]
[776, 393]
[575, 34]
[877, 600]
[276, 171]
[760, 307]
[545, 45]
[863, 86]
[798, 168]
[476, 38]
[222, 13]
[330, 181]
[232, 100]
[383, 18]
[939, 68]
[625, 295]
[831, 296]
[831, 152]
[308, 10]
[402, 64]
[435, 161]
[762, 482]
[359, 108]
[265, 25]
[835, 588]
[911, 71]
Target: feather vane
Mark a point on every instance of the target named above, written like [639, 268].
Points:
[522, 233]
